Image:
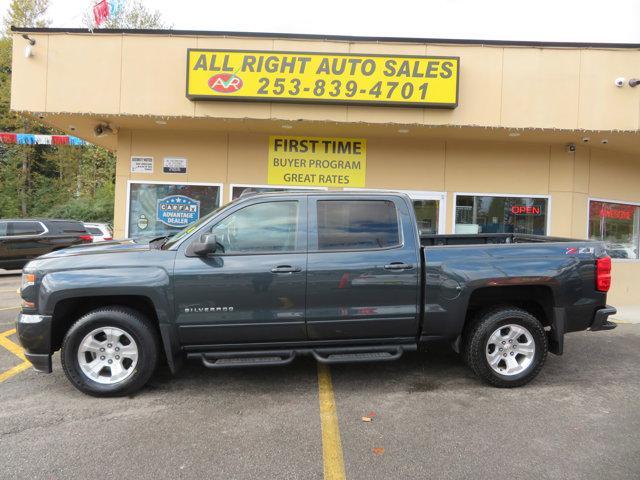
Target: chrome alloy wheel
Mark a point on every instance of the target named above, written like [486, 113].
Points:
[108, 355]
[510, 350]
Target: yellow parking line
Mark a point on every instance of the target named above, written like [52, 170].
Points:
[333, 461]
[10, 290]
[9, 308]
[17, 351]
[14, 371]
[9, 345]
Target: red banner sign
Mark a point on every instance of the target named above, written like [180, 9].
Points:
[613, 211]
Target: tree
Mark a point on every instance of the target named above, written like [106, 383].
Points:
[133, 15]
[43, 180]
[17, 162]
[26, 13]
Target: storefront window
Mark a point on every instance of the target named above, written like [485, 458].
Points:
[163, 209]
[617, 224]
[427, 216]
[485, 214]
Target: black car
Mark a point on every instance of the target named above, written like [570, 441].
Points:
[24, 239]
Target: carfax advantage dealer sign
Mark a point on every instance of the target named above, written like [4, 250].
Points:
[428, 81]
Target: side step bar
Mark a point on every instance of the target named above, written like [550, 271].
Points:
[328, 355]
[382, 353]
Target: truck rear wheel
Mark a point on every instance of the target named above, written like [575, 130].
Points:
[506, 347]
[110, 351]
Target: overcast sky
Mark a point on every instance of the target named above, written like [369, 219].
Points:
[543, 20]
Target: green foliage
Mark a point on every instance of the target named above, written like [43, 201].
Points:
[26, 13]
[96, 209]
[41, 180]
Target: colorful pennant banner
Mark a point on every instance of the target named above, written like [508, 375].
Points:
[105, 9]
[31, 139]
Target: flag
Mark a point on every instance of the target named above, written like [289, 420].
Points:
[100, 12]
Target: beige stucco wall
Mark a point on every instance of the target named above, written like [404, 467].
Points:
[500, 86]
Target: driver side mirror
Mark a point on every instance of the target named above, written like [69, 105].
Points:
[208, 243]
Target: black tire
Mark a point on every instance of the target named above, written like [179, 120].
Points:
[134, 324]
[477, 335]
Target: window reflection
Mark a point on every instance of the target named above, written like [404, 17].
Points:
[357, 224]
[261, 228]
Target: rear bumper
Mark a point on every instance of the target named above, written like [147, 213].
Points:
[34, 332]
[600, 319]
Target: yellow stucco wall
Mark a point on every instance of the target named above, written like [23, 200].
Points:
[507, 86]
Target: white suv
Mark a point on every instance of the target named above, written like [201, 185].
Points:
[99, 231]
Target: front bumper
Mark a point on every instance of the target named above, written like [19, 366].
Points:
[600, 319]
[34, 332]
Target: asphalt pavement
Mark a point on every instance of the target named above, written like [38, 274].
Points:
[431, 419]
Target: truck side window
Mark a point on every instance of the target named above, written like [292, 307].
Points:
[3, 229]
[260, 228]
[357, 224]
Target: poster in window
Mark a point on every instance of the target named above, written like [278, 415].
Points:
[157, 209]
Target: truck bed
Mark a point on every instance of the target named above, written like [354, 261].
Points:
[489, 238]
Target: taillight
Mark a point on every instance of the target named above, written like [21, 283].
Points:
[86, 238]
[603, 274]
[107, 238]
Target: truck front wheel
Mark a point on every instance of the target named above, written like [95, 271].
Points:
[506, 347]
[110, 351]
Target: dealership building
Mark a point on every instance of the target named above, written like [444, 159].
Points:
[485, 136]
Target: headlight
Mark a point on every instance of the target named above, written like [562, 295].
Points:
[28, 279]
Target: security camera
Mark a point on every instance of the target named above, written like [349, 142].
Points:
[99, 129]
[620, 81]
[634, 82]
[571, 147]
[104, 129]
[586, 139]
[605, 141]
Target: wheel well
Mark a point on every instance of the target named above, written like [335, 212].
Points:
[535, 299]
[67, 311]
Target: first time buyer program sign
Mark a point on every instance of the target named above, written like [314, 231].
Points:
[423, 81]
[317, 161]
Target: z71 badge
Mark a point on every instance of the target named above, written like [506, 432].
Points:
[581, 250]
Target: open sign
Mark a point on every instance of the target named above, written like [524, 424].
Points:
[526, 210]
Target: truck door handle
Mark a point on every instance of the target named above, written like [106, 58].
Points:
[286, 269]
[398, 266]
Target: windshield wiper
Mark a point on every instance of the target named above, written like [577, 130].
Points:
[162, 240]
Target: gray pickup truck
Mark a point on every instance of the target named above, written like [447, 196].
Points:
[344, 277]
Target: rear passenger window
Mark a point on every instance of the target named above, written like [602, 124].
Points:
[3, 229]
[25, 228]
[357, 224]
[94, 231]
